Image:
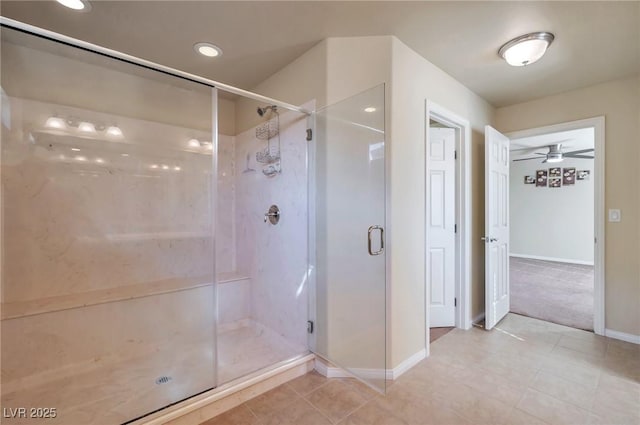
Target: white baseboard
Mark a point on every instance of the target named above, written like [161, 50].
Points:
[390, 374]
[634, 339]
[555, 260]
[408, 364]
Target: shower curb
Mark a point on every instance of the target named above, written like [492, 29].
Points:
[217, 401]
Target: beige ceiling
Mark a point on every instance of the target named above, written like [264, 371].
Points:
[595, 41]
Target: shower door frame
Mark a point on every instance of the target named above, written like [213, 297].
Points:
[114, 54]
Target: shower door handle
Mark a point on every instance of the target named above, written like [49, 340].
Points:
[371, 229]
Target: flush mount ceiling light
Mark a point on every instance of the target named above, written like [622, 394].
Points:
[208, 49]
[82, 5]
[526, 49]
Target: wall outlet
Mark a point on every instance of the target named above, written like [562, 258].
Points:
[614, 216]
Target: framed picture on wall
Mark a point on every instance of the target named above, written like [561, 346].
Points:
[541, 178]
[555, 182]
[529, 180]
[555, 172]
[568, 176]
[583, 174]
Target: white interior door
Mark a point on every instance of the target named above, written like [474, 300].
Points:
[496, 226]
[441, 215]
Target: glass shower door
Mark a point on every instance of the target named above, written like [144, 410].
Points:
[349, 270]
[108, 304]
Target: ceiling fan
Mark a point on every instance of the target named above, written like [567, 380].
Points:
[555, 153]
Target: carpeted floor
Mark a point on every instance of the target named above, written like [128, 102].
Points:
[556, 292]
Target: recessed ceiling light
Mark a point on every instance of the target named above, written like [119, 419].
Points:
[154, 166]
[165, 167]
[76, 4]
[526, 49]
[55, 122]
[80, 158]
[177, 168]
[370, 109]
[208, 49]
[114, 131]
[86, 127]
[124, 154]
[75, 149]
[100, 160]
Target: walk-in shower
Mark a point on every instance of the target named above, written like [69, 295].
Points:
[161, 239]
[137, 268]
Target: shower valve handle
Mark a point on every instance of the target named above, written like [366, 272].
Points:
[273, 215]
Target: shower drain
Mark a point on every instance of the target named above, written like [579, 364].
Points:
[163, 380]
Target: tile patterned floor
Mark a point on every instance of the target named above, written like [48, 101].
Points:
[557, 292]
[524, 371]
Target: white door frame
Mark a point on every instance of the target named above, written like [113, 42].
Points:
[597, 123]
[463, 213]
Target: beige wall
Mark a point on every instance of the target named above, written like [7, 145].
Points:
[414, 79]
[302, 80]
[619, 102]
[226, 116]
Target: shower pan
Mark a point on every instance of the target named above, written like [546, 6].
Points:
[137, 270]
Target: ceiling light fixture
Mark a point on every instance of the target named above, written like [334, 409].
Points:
[76, 4]
[194, 143]
[370, 109]
[526, 49]
[207, 49]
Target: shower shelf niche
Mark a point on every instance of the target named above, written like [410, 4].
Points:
[13, 310]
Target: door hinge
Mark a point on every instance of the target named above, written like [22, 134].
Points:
[455, 302]
[455, 228]
[309, 134]
[455, 154]
[309, 326]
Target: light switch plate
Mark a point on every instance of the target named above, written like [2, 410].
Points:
[614, 216]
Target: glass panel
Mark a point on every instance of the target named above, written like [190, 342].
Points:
[350, 284]
[262, 265]
[108, 304]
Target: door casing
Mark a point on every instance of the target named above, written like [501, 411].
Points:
[598, 124]
[463, 214]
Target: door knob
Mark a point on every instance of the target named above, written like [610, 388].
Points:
[489, 239]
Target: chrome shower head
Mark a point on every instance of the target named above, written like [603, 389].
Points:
[262, 111]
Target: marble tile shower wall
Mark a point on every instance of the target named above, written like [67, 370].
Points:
[275, 256]
[93, 219]
[225, 209]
